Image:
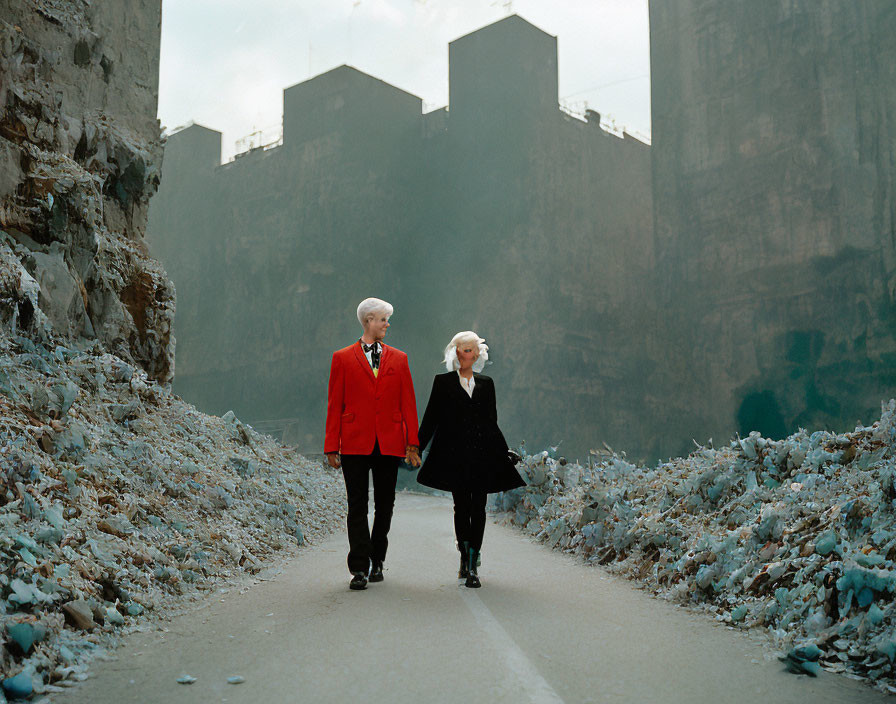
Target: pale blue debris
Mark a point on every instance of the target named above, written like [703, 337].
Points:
[875, 615]
[826, 543]
[797, 535]
[18, 687]
[26, 635]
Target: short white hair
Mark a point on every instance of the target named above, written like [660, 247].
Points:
[467, 337]
[373, 306]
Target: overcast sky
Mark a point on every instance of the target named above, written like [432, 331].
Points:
[224, 63]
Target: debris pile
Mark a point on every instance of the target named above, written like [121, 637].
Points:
[797, 535]
[118, 500]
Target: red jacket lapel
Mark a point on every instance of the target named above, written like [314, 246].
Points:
[385, 359]
[362, 360]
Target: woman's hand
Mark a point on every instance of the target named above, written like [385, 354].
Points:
[333, 460]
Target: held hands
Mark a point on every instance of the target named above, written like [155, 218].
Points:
[333, 460]
[412, 456]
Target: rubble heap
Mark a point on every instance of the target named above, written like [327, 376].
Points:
[118, 500]
[797, 535]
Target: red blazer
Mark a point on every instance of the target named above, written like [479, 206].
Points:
[363, 409]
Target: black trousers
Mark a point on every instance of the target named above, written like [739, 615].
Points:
[364, 544]
[469, 517]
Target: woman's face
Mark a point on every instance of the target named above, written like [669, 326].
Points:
[467, 354]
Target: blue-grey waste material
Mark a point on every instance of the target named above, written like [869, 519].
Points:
[796, 536]
[119, 503]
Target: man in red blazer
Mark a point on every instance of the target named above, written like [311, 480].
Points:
[372, 424]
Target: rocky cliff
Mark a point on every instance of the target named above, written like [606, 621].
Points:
[774, 127]
[80, 153]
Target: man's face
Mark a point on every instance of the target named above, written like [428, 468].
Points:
[377, 325]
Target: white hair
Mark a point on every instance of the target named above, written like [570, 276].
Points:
[462, 338]
[373, 306]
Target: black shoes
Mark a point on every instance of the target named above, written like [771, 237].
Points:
[472, 569]
[359, 581]
[464, 564]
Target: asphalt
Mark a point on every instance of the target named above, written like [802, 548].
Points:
[543, 628]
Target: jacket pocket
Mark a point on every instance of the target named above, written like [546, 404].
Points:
[348, 417]
[396, 417]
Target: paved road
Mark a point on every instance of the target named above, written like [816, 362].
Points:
[544, 628]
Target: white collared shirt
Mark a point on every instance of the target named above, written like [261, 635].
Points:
[467, 384]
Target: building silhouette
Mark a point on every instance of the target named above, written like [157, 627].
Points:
[632, 294]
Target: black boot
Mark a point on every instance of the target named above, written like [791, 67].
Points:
[472, 571]
[376, 571]
[464, 560]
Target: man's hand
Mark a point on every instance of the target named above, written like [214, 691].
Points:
[412, 456]
[333, 460]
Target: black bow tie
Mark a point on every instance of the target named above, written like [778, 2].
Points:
[374, 350]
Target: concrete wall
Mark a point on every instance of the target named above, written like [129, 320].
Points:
[738, 274]
[502, 215]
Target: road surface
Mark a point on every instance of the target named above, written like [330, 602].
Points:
[544, 628]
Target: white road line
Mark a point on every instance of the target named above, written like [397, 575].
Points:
[522, 669]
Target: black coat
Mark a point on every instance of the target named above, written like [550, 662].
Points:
[468, 449]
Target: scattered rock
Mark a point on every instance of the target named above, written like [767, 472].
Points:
[25, 635]
[80, 614]
[18, 687]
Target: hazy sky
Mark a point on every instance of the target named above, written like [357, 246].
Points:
[224, 63]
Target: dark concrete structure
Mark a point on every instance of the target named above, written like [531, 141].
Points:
[504, 215]
[738, 274]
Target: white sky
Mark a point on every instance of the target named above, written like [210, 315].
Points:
[225, 63]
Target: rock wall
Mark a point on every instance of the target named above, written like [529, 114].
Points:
[80, 152]
[774, 184]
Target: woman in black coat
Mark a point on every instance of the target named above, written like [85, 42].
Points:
[469, 456]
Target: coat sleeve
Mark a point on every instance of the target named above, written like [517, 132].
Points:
[335, 405]
[408, 405]
[493, 416]
[493, 402]
[431, 416]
